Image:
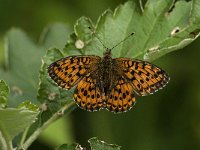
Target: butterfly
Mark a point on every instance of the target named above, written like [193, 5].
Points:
[106, 82]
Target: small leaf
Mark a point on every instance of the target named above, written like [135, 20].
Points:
[82, 28]
[82, 36]
[13, 121]
[69, 147]
[98, 144]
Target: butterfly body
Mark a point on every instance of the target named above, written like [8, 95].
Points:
[106, 73]
[107, 82]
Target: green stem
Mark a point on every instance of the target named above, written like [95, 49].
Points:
[5, 143]
[33, 137]
[23, 138]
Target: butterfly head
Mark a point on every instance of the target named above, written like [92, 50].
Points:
[107, 53]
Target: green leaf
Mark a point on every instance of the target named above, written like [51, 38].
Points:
[22, 65]
[195, 12]
[82, 36]
[97, 144]
[68, 147]
[23, 61]
[160, 27]
[11, 125]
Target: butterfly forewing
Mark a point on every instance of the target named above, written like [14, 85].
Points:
[67, 72]
[145, 77]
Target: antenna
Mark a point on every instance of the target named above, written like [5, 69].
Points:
[97, 37]
[101, 42]
[123, 40]
[117, 43]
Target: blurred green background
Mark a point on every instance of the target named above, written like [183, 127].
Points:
[169, 119]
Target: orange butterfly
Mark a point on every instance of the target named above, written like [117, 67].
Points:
[107, 82]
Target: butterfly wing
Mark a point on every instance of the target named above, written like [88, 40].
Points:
[145, 77]
[88, 94]
[121, 97]
[67, 72]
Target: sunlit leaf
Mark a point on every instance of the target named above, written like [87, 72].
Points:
[13, 121]
[160, 27]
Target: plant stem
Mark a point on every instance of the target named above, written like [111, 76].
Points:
[33, 137]
[5, 143]
[23, 138]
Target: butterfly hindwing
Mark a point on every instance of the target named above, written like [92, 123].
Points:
[145, 77]
[67, 72]
[121, 97]
[88, 95]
